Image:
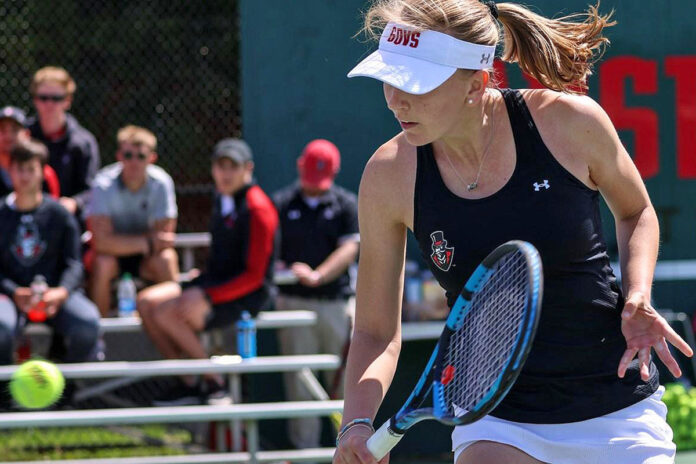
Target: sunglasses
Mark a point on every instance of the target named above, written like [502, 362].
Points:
[51, 98]
[129, 155]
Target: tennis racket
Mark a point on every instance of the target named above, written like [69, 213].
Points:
[486, 339]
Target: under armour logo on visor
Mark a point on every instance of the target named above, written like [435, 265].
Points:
[538, 186]
[485, 58]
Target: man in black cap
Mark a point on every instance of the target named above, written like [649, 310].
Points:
[12, 121]
[238, 275]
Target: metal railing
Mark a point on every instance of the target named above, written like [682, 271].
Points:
[248, 413]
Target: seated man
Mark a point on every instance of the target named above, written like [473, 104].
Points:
[73, 150]
[12, 121]
[132, 216]
[238, 276]
[39, 237]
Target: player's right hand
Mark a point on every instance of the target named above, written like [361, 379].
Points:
[352, 449]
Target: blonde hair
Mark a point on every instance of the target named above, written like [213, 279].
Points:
[559, 53]
[53, 74]
[138, 136]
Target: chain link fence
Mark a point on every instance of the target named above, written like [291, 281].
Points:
[172, 67]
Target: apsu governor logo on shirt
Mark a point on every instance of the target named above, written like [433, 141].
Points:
[442, 254]
[28, 247]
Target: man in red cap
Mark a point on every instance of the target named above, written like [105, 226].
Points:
[319, 241]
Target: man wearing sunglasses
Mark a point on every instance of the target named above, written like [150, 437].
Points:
[132, 216]
[73, 150]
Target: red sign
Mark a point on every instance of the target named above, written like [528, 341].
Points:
[623, 76]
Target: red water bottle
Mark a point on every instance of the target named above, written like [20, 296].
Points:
[37, 312]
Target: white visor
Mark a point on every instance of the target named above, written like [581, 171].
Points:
[420, 61]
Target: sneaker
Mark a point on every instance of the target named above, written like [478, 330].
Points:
[180, 395]
[216, 394]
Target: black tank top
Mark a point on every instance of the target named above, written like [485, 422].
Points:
[570, 374]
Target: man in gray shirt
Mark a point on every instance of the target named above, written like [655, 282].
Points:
[132, 216]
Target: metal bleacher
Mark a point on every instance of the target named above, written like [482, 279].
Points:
[248, 413]
[115, 374]
[118, 373]
[264, 320]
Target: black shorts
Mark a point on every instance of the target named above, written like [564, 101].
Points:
[130, 264]
[223, 315]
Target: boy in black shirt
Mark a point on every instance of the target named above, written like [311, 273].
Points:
[238, 276]
[39, 237]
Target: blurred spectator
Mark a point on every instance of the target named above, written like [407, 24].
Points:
[132, 216]
[319, 241]
[39, 237]
[73, 150]
[238, 275]
[12, 121]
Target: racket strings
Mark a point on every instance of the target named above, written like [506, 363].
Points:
[481, 348]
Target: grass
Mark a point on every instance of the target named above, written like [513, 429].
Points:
[148, 440]
[92, 442]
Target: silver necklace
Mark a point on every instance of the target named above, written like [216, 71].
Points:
[474, 184]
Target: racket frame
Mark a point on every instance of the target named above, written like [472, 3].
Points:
[412, 411]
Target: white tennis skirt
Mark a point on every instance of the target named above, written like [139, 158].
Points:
[638, 434]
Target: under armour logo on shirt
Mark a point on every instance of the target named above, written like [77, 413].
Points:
[538, 186]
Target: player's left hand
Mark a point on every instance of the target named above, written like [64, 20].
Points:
[644, 328]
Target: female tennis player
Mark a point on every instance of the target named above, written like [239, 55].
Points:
[475, 166]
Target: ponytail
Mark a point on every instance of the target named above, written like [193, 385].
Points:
[559, 53]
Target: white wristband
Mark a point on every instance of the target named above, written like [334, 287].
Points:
[364, 421]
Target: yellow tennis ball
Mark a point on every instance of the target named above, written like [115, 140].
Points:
[37, 384]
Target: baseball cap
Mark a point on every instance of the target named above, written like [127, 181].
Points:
[14, 113]
[319, 164]
[418, 62]
[235, 149]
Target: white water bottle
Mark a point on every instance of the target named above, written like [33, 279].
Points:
[37, 312]
[126, 296]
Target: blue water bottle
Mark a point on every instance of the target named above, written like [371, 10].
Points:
[246, 336]
[126, 296]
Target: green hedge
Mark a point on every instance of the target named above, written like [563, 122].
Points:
[92, 442]
[681, 414]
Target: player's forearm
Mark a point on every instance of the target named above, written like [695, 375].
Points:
[369, 372]
[121, 245]
[338, 261]
[638, 241]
